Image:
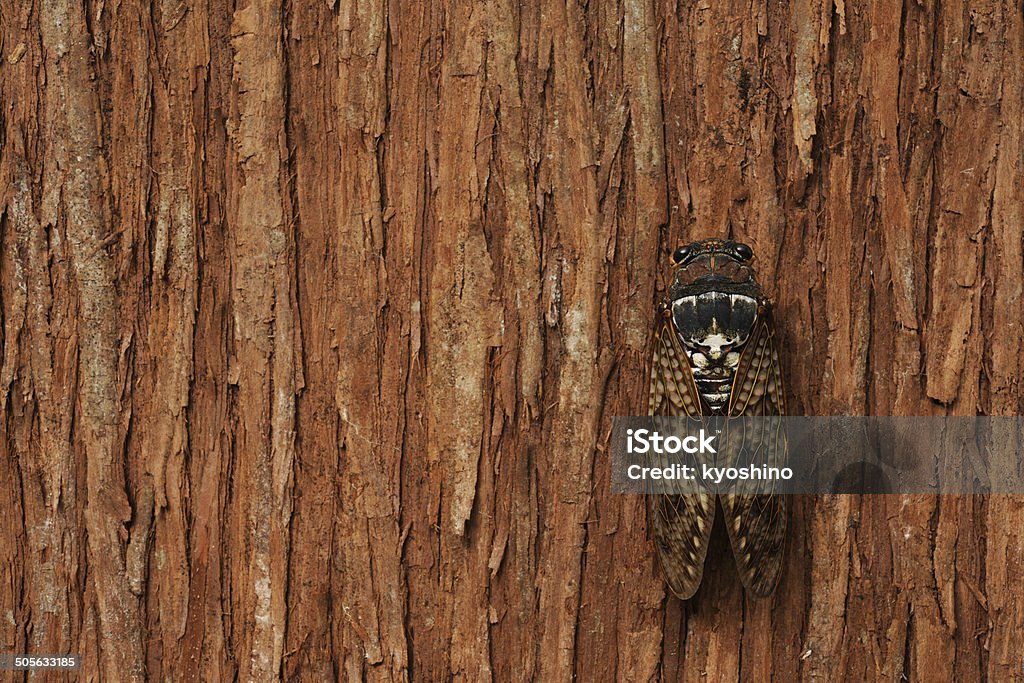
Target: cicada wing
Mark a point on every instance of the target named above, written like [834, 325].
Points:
[757, 387]
[756, 519]
[682, 527]
[681, 523]
[673, 391]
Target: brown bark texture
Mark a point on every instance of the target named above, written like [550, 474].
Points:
[315, 316]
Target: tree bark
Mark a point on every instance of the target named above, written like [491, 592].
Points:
[315, 317]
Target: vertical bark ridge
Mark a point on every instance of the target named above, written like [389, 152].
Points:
[264, 337]
[72, 109]
[368, 538]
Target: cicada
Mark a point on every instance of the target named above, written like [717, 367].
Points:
[715, 356]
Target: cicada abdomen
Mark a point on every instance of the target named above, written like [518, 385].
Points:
[715, 356]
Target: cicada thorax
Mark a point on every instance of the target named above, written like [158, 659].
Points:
[714, 327]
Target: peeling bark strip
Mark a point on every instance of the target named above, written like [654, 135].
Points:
[805, 101]
[462, 321]
[315, 316]
[264, 337]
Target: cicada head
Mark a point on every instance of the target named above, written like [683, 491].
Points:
[713, 265]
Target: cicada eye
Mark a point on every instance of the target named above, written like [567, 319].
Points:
[679, 254]
[743, 252]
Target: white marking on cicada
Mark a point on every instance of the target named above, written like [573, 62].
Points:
[739, 299]
[715, 342]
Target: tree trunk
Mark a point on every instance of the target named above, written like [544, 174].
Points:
[315, 317]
